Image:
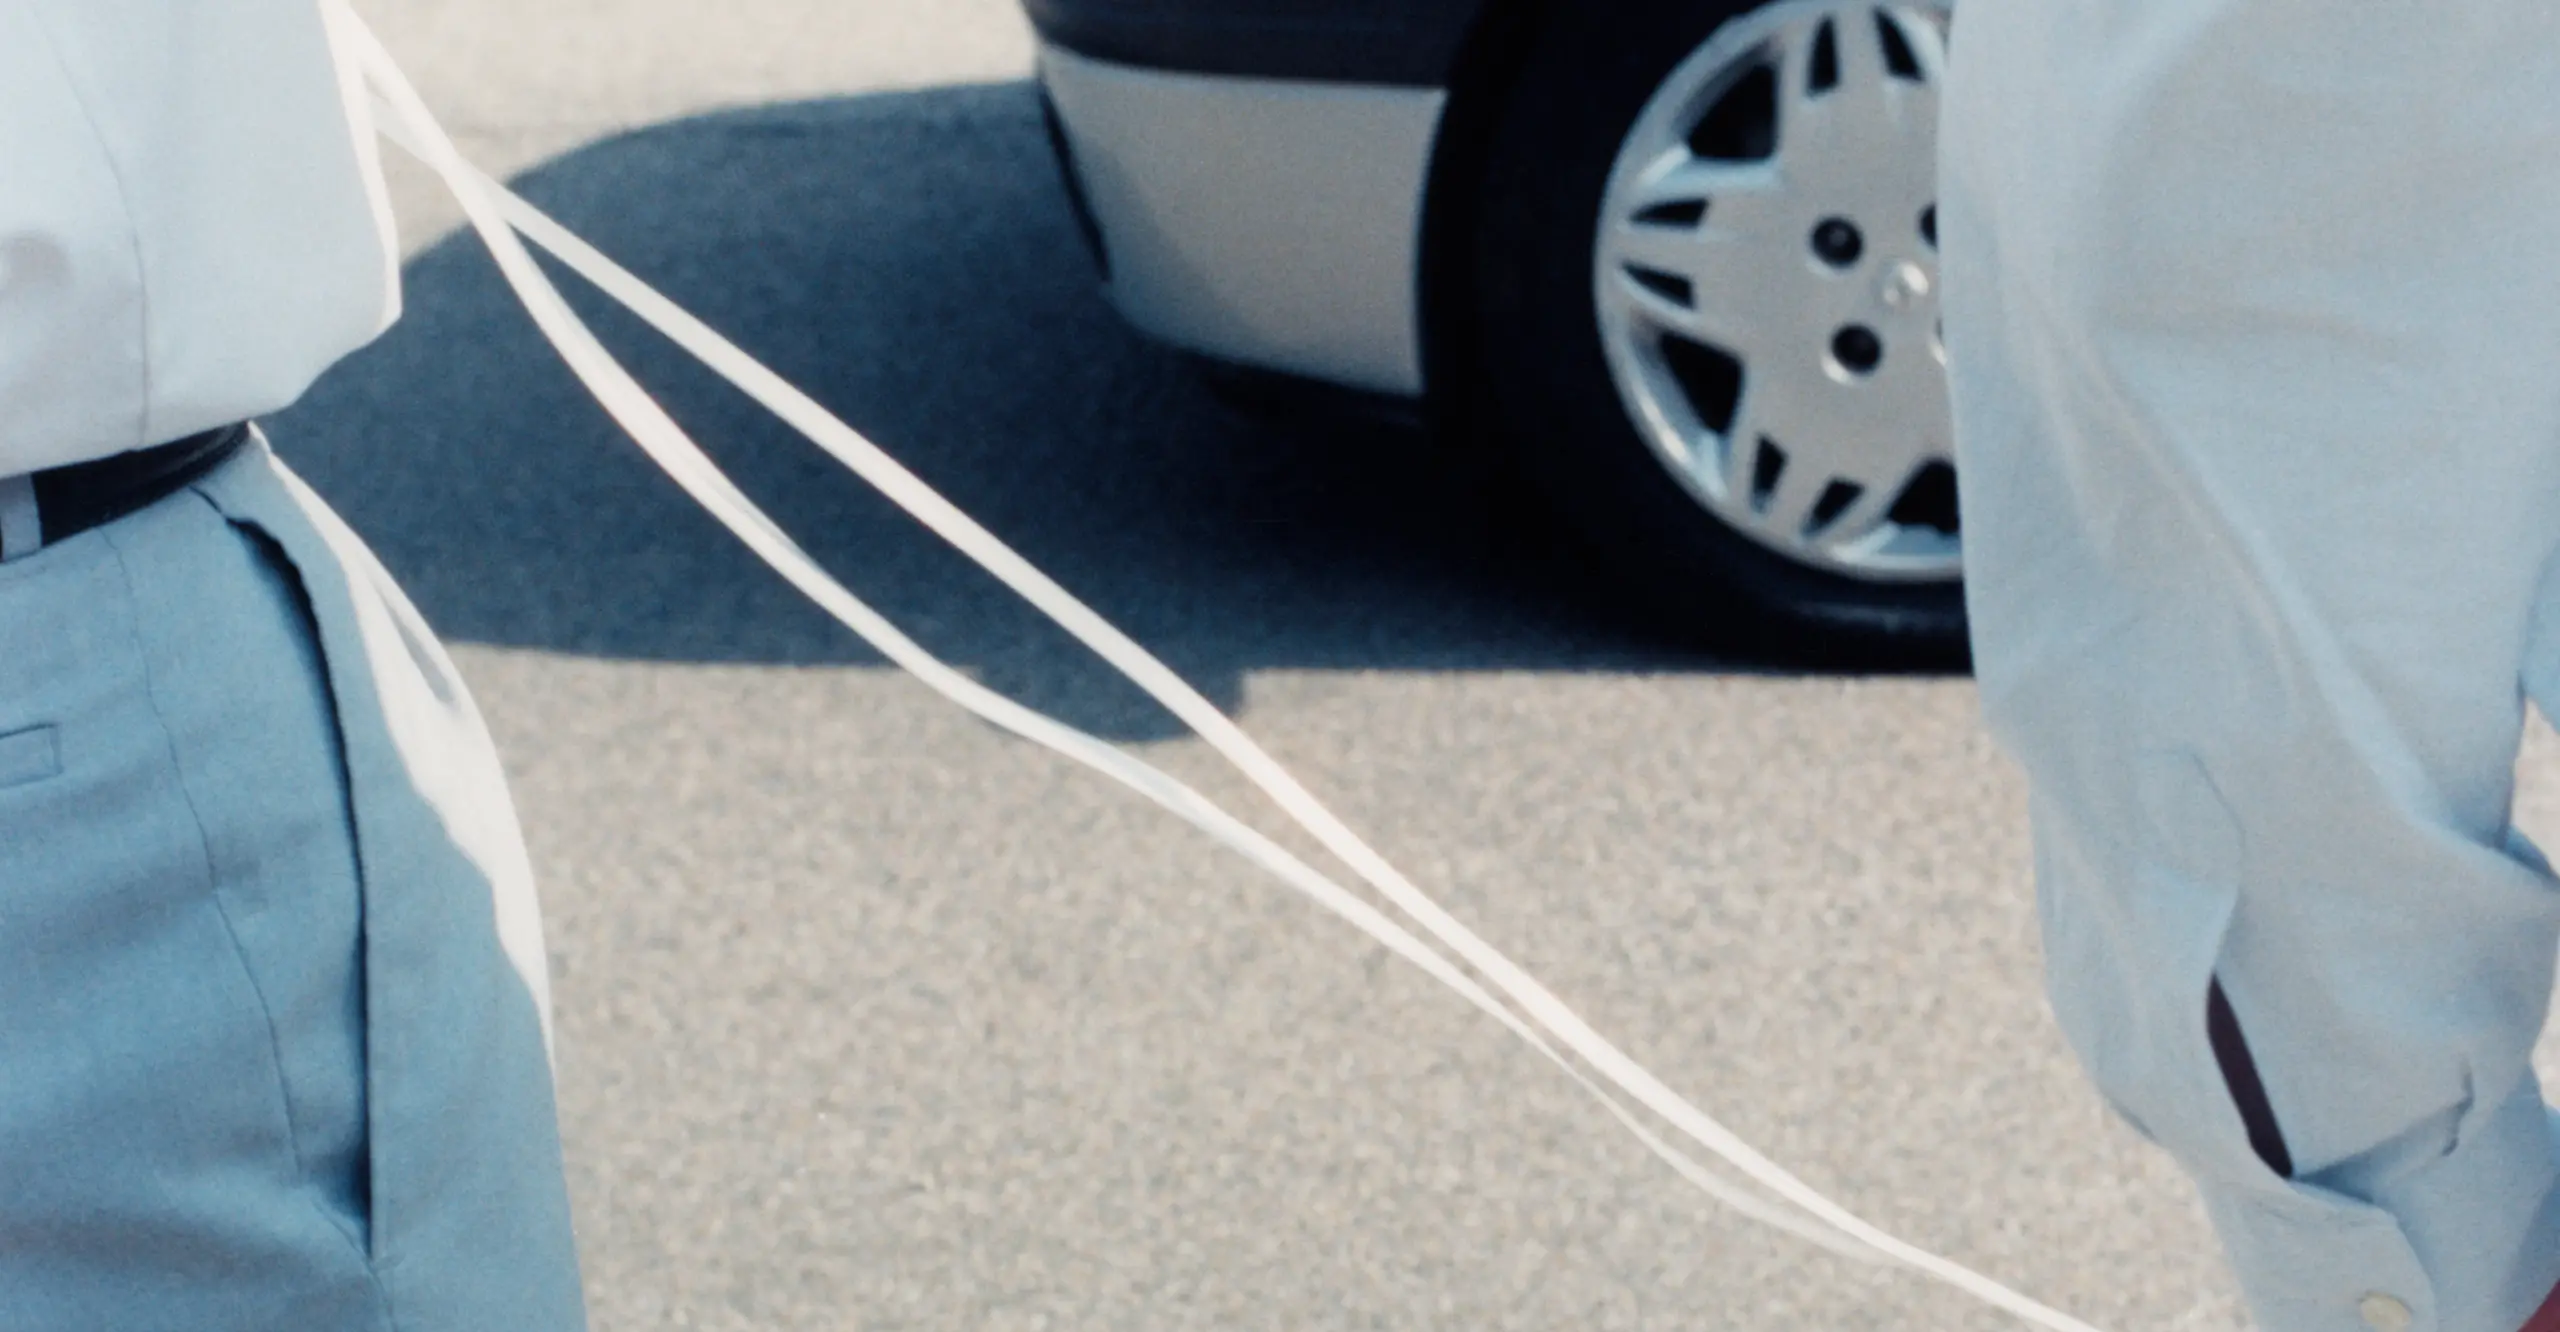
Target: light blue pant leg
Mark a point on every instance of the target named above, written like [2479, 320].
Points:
[181, 1039]
[271, 1032]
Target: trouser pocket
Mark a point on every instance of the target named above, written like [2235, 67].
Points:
[182, 1117]
[468, 1205]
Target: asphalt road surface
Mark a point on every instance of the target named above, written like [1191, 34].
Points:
[871, 1018]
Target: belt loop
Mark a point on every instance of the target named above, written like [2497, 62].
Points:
[21, 527]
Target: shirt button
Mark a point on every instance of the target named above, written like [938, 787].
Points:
[2383, 1313]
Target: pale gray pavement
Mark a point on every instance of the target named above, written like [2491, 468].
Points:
[872, 1019]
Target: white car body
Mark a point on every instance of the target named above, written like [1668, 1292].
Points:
[1267, 222]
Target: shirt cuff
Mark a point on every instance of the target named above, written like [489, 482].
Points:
[2466, 1240]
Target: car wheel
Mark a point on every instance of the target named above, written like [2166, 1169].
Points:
[1700, 307]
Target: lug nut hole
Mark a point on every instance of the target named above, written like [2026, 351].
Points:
[1929, 225]
[1857, 349]
[1837, 242]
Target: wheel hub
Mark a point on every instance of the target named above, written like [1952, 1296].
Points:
[1765, 276]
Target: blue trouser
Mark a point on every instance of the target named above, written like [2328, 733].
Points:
[272, 1009]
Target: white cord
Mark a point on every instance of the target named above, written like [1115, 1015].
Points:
[493, 211]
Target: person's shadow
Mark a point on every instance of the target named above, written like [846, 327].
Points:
[910, 261]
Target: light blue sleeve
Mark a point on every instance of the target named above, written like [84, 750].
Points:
[2256, 428]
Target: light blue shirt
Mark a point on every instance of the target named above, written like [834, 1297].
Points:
[192, 220]
[2254, 319]
[2254, 326]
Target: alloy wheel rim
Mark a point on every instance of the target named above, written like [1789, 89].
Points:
[1766, 281]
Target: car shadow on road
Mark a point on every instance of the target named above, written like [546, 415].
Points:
[909, 260]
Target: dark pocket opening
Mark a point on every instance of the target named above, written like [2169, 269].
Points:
[2240, 1074]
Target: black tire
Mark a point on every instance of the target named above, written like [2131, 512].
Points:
[1531, 373]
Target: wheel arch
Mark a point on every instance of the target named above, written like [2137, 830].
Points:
[1487, 63]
